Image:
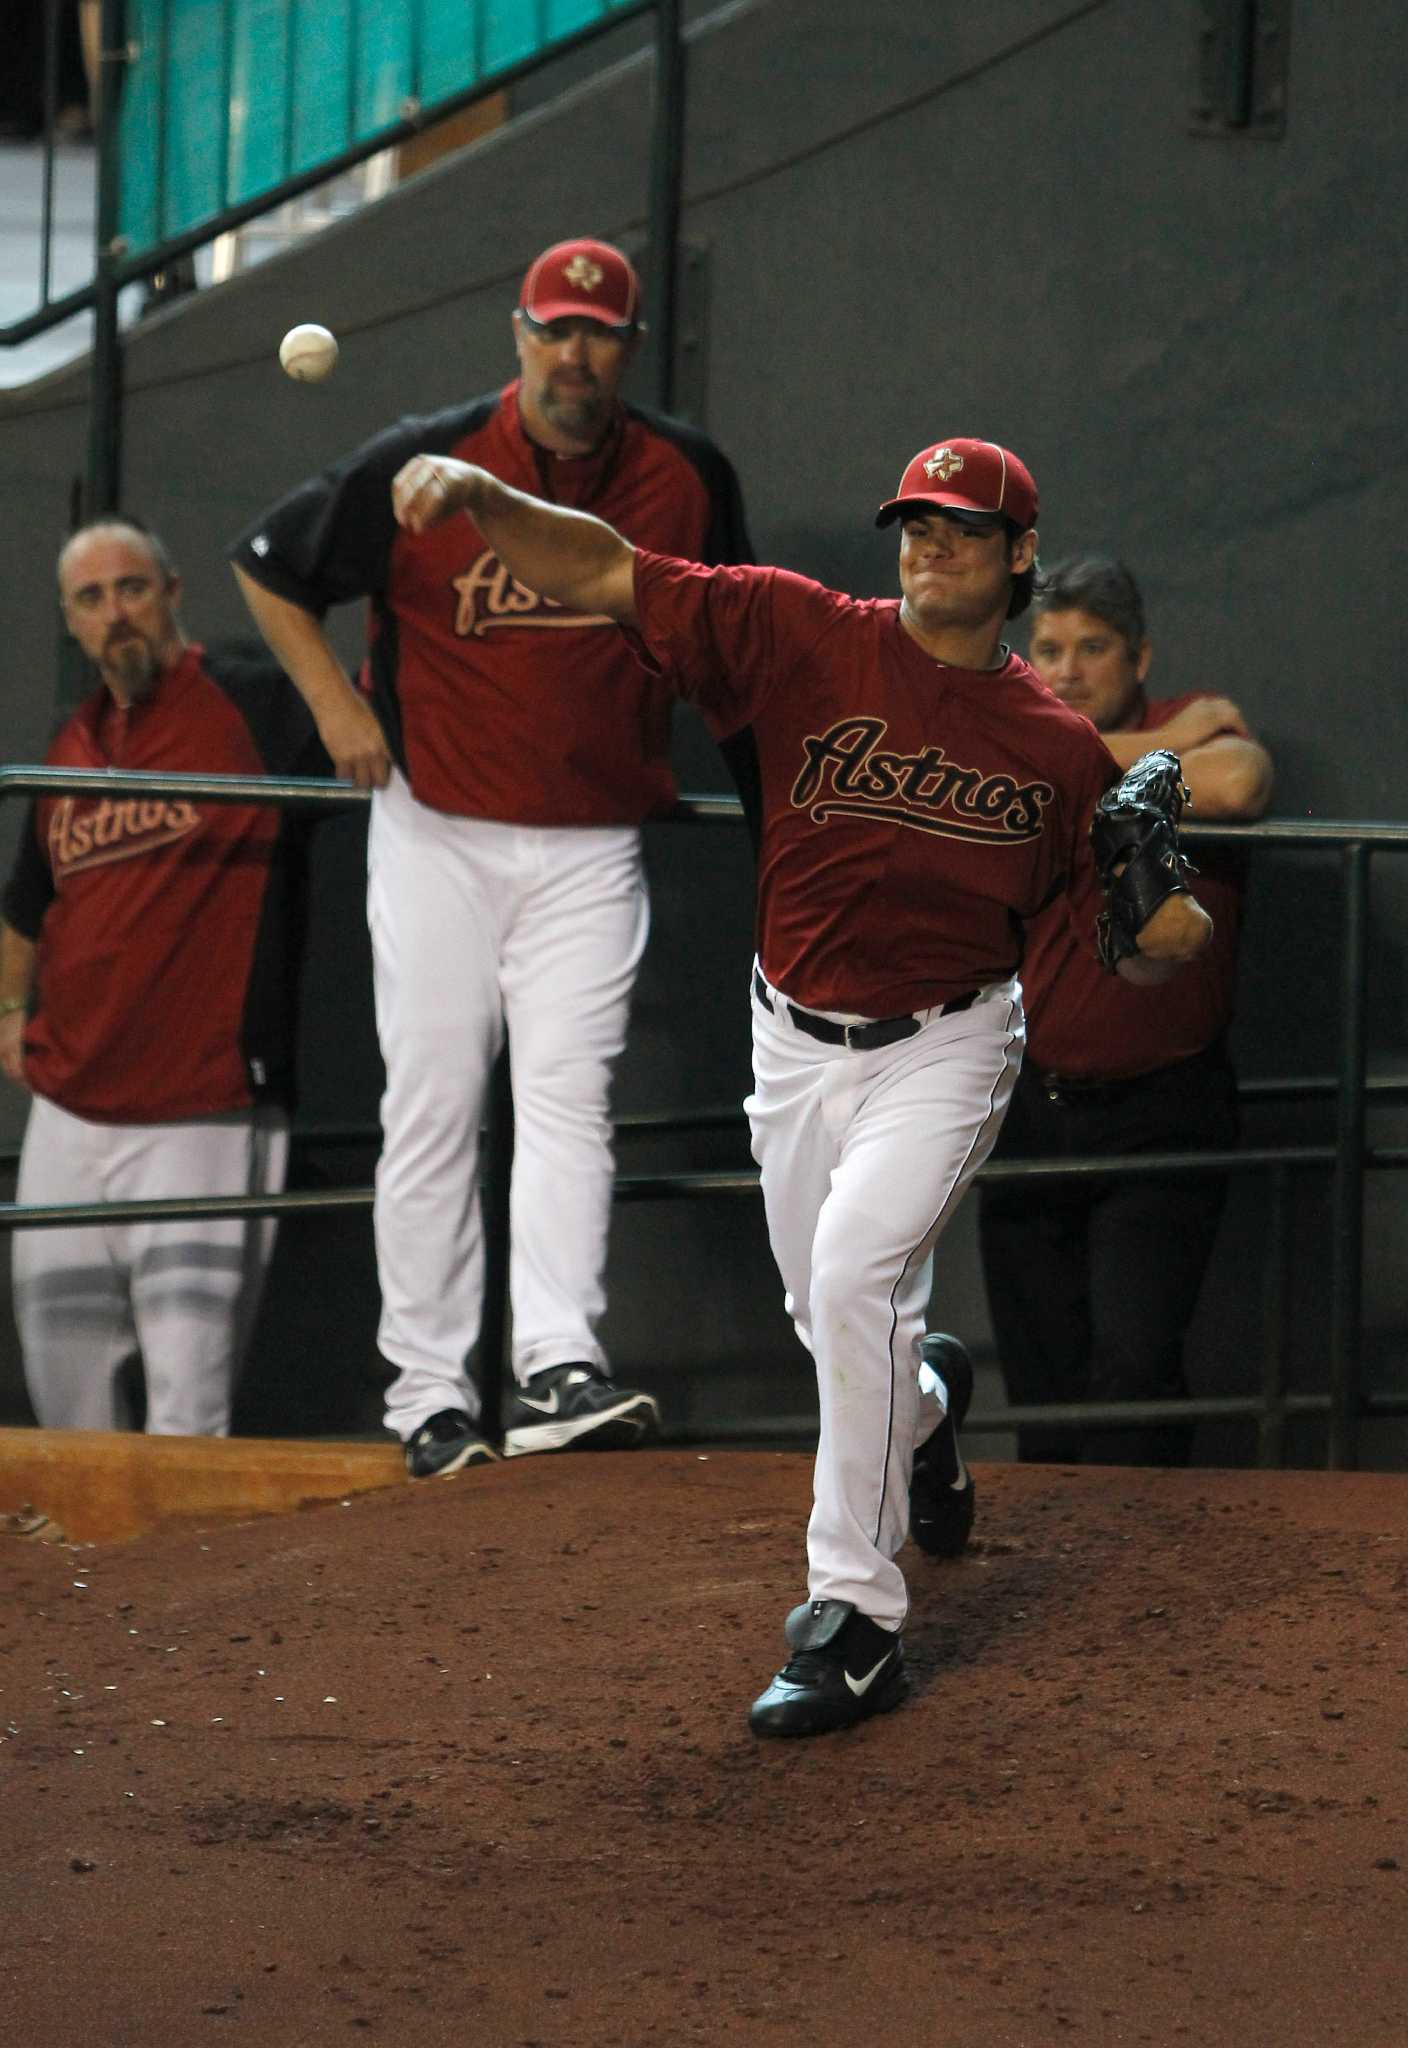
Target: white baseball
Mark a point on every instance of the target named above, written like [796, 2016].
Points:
[308, 352]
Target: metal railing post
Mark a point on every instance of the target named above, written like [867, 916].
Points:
[1271, 1425]
[105, 414]
[51, 116]
[666, 170]
[1347, 1210]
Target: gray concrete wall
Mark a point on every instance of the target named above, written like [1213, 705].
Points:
[907, 221]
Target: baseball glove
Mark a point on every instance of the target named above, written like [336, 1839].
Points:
[1134, 837]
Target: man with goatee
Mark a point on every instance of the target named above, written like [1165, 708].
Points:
[148, 964]
[506, 894]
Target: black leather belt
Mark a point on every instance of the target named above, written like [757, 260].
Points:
[859, 1037]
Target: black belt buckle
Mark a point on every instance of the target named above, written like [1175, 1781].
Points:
[871, 1037]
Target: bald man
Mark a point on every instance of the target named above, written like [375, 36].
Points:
[148, 962]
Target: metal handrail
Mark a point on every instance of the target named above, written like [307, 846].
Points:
[731, 1117]
[1347, 1158]
[296, 792]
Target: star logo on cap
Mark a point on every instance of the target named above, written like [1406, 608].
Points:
[943, 464]
[585, 274]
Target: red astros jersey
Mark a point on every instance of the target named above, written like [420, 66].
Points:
[1084, 1022]
[167, 930]
[914, 815]
[497, 703]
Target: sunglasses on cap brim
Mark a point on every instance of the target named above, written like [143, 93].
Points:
[618, 331]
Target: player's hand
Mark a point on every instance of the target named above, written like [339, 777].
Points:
[12, 1047]
[352, 734]
[430, 489]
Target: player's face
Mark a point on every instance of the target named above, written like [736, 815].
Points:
[121, 609]
[571, 371]
[1089, 665]
[959, 574]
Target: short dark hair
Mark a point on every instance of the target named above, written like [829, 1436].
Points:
[1097, 584]
[161, 554]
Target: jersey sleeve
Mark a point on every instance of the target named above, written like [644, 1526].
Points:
[727, 543]
[30, 888]
[724, 638]
[330, 539]
[277, 717]
[728, 535]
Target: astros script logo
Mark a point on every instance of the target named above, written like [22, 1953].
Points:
[90, 835]
[848, 774]
[488, 597]
[943, 464]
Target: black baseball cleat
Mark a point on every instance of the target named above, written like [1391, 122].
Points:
[445, 1444]
[941, 1491]
[844, 1667]
[571, 1407]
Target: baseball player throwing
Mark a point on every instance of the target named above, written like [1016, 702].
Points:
[514, 746]
[921, 795]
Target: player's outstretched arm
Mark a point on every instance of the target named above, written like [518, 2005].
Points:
[347, 725]
[568, 556]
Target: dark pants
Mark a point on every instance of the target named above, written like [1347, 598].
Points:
[1092, 1283]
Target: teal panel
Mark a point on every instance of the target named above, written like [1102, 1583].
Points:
[566, 17]
[321, 69]
[511, 30]
[449, 58]
[226, 98]
[384, 69]
[140, 126]
[259, 96]
[196, 101]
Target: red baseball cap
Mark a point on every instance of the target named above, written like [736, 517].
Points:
[582, 280]
[977, 476]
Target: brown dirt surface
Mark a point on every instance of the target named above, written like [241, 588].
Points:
[467, 1762]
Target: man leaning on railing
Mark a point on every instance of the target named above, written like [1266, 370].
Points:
[147, 976]
[1093, 1280]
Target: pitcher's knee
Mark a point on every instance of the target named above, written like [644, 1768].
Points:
[849, 1281]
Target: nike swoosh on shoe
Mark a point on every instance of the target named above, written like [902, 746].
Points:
[544, 1407]
[861, 1686]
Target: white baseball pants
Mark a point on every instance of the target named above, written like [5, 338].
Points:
[864, 1158]
[476, 925]
[184, 1295]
